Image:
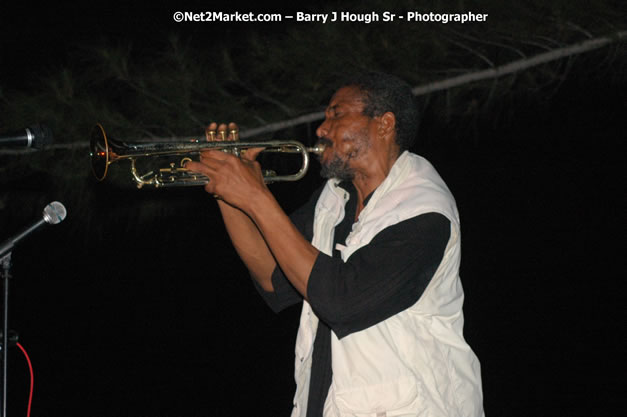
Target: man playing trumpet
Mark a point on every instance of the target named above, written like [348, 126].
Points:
[374, 257]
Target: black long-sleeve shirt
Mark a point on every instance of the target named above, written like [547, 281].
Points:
[378, 281]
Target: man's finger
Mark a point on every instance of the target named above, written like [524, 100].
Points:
[215, 155]
[252, 153]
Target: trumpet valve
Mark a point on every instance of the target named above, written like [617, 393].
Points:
[222, 134]
[233, 132]
[210, 134]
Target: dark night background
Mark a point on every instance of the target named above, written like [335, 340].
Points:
[130, 312]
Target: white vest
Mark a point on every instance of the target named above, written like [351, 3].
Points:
[415, 363]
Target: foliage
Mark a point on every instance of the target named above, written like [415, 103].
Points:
[175, 84]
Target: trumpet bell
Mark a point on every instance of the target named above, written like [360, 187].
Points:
[99, 152]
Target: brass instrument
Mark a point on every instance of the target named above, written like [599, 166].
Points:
[105, 151]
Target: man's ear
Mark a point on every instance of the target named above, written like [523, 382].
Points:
[387, 124]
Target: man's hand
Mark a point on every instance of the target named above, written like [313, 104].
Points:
[261, 232]
[236, 180]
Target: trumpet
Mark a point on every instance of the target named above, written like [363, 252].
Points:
[104, 151]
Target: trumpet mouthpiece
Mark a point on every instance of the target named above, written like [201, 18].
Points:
[318, 149]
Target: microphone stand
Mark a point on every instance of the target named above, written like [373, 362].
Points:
[6, 275]
[54, 213]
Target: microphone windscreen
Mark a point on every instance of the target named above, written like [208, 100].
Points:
[54, 213]
[42, 135]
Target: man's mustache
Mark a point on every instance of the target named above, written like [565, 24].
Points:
[326, 142]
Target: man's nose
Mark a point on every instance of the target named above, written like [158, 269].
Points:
[322, 130]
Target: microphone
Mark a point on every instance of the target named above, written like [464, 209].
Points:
[36, 136]
[54, 213]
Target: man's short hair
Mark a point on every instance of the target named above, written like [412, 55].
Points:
[384, 92]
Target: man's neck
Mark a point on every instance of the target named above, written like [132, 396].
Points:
[368, 180]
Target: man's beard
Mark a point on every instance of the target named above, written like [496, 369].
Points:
[337, 168]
